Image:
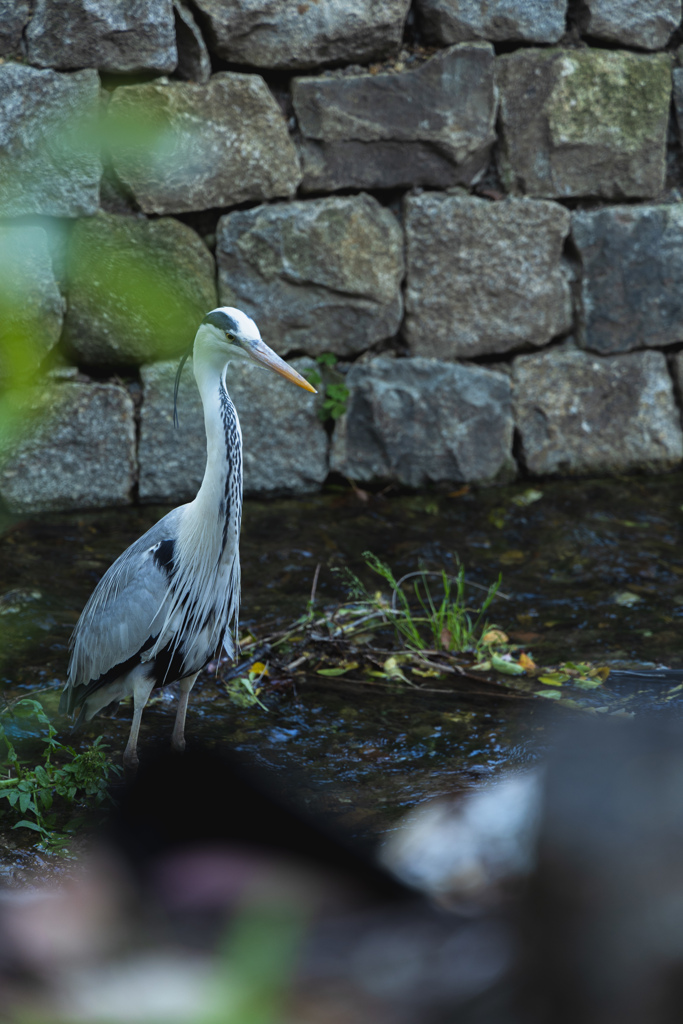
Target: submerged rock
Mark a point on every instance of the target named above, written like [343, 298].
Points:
[49, 163]
[632, 281]
[319, 276]
[580, 414]
[76, 449]
[137, 288]
[285, 451]
[454, 21]
[433, 125]
[286, 35]
[422, 421]
[138, 35]
[584, 122]
[187, 146]
[483, 277]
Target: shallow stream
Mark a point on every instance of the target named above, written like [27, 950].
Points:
[593, 569]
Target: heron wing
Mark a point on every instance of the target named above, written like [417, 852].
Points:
[125, 612]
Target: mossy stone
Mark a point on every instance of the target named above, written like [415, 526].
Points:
[584, 122]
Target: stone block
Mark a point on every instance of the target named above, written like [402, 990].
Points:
[421, 421]
[632, 281]
[187, 146]
[456, 21]
[645, 23]
[584, 122]
[319, 276]
[14, 15]
[290, 36]
[483, 277]
[135, 36]
[49, 162]
[285, 452]
[580, 414]
[137, 289]
[31, 305]
[77, 450]
[433, 125]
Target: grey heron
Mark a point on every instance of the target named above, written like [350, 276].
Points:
[170, 602]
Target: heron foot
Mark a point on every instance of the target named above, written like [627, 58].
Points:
[178, 743]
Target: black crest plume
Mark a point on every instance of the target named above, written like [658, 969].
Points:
[186, 356]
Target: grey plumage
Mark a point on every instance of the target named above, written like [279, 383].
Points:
[169, 602]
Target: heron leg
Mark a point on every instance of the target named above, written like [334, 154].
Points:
[142, 687]
[178, 734]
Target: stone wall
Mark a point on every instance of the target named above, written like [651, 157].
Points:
[475, 207]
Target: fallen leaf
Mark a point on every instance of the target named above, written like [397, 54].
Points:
[259, 669]
[496, 517]
[626, 598]
[495, 636]
[550, 694]
[459, 493]
[527, 497]
[527, 663]
[586, 683]
[554, 678]
[446, 639]
[512, 557]
[339, 670]
[392, 670]
[510, 668]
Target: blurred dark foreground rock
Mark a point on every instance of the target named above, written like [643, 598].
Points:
[207, 878]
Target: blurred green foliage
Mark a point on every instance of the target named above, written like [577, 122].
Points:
[132, 280]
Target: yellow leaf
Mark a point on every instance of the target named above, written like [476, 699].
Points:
[426, 674]
[527, 663]
[338, 670]
[495, 636]
[258, 668]
[553, 679]
[512, 557]
[392, 670]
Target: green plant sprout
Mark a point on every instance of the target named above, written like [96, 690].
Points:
[446, 622]
[243, 691]
[46, 793]
[336, 392]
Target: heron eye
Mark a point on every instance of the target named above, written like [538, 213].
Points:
[230, 337]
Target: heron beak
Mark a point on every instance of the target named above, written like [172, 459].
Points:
[264, 356]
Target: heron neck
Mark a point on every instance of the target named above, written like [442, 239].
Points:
[219, 499]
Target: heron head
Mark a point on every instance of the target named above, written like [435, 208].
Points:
[239, 338]
[228, 333]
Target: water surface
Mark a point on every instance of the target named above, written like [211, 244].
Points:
[593, 569]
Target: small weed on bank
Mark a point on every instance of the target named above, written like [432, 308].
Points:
[53, 796]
